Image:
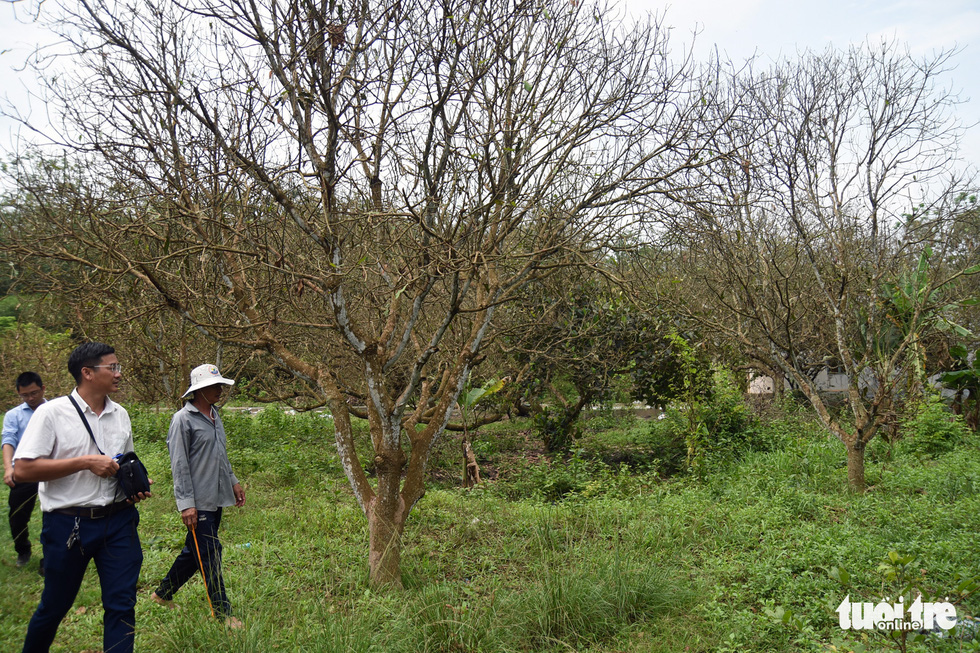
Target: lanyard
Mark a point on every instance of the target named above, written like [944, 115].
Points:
[88, 427]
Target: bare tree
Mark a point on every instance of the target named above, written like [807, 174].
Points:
[357, 185]
[813, 225]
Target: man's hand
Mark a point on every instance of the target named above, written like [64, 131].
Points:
[8, 476]
[103, 466]
[189, 517]
[239, 495]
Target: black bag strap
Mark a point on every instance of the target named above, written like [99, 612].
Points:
[88, 427]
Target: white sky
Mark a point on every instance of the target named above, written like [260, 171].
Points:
[739, 28]
[18, 39]
[773, 29]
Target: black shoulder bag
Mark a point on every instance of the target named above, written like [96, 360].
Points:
[131, 474]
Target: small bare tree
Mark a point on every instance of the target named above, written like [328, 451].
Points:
[812, 226]
[355, 185]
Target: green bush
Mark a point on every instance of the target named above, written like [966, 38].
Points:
[150, 425]
[932, 429]
[557, 428]
[709, 433]
[577, 476]
[10, 307]
[668, 442]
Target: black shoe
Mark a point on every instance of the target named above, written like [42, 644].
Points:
[23, 559]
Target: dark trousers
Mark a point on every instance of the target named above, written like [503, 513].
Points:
[115, 546]
[186, 565]
[22, 498]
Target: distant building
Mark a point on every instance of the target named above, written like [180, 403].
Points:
[826, 380]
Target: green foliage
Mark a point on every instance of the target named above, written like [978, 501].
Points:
[593, 602]
[727, 431]
[932, 429]
[587, 345]
[913, 303]
[727, 427]
[150, 424]
[473, 395]
[557, 428]
[671, 368]
[709, 432]
[668, 442]
[10, 307]
[574, 477]
[627, 441]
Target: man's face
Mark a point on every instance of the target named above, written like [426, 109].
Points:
[33, 394]
[212, 393]
[104, 377]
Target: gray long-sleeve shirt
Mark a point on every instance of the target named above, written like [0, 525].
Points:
[199, 461]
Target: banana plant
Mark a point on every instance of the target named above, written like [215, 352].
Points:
[913, 304]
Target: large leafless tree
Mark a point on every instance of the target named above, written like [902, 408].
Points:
[355, 188]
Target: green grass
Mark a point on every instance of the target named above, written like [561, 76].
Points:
[551, 556]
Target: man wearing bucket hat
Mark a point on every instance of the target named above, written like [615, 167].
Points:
[203, 485]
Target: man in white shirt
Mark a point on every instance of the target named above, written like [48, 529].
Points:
[69, 447]
[22, 496]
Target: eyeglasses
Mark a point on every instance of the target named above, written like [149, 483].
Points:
[33, 394]
[115, 368]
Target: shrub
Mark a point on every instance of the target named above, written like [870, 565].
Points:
[932, 429]
[709, 433]
[668, 442]
[557, 429]
[554, 480]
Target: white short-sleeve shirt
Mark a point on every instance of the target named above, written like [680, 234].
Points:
[56, 431]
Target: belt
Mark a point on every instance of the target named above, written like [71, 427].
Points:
[96, 512]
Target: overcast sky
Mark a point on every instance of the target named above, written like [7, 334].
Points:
[774, 29]
[739, 28]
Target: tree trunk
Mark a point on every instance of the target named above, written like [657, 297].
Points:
[384, 556]
[384, 559]
[386, 521]
[855, 465]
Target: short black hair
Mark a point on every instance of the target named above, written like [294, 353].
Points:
[88, 354]
[27, 378]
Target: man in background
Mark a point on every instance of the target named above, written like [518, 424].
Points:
[23, 496]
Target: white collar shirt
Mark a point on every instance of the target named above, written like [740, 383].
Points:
[56, 432]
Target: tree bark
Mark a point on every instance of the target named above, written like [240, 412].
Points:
[386, 521]
[855, 465]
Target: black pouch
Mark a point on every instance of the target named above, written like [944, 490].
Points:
[132, 475]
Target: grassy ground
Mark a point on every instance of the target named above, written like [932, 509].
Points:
[579, 555]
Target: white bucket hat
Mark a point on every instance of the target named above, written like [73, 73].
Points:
[204, 375]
